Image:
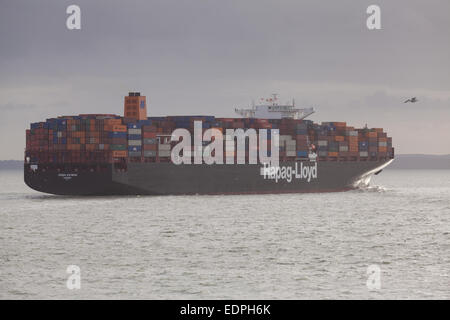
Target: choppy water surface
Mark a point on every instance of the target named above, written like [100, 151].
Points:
[296, 246]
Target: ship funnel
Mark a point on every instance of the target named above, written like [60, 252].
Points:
[135, 106]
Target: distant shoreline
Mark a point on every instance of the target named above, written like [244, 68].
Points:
[420, 161]
[402, 161]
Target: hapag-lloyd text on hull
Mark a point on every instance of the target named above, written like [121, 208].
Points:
[288, 173]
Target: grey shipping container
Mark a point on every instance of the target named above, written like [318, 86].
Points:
[134, 153]
[149, 153]
[149, 140]
[164, 147]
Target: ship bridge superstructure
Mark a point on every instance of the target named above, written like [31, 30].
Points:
[270, 109]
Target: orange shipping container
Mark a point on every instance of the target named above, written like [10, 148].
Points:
[372, 134]
[332, 154]
[78, 134]
[73, 147]
[119, 153]
[116, 128]
[382, 149]
[119, 128]
[93, 134]
[112, 121]
[91, 147]
[339, 138]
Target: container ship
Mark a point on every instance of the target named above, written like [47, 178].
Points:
[107, 154]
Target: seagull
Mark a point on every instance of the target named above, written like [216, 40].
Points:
[412, 100]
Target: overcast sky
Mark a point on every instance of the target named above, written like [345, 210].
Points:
[209, 56]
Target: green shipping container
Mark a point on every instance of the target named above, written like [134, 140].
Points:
[118, 147]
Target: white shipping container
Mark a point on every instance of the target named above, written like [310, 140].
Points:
[322, 143]
[291, 153]
[364, 154]
[343, 148]
[164, 153]
[134, 131]
[382, 144]
[291, 143]
[134, 142]
[149, 153]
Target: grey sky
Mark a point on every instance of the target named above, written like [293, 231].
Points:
[209, 56]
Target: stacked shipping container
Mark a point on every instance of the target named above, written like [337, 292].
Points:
[110, 138]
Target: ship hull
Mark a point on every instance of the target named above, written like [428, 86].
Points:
[169, 179]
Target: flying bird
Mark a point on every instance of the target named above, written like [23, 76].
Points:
[412, 100]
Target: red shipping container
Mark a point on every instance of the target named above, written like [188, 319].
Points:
[150, 146]
[148, 134]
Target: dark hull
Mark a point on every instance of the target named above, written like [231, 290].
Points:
[170, 179]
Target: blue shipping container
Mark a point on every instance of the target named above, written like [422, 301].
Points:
[145, 122]
[134, 137]
[134, 148]
[302, 153]
[116, 134]
[134, 125]
[363, 144]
